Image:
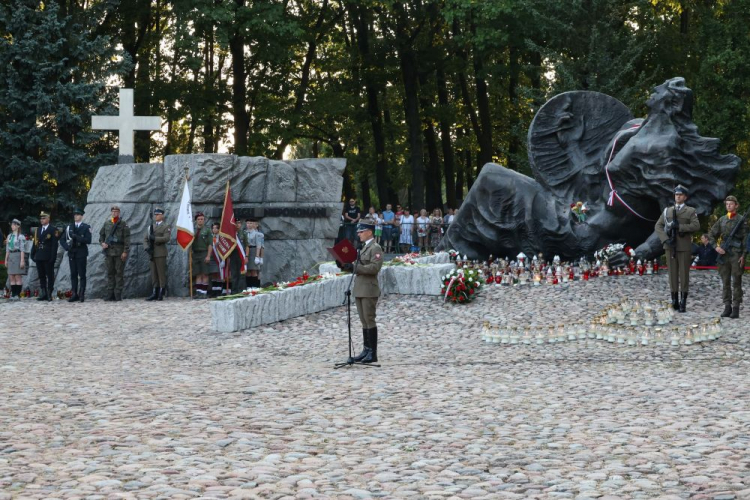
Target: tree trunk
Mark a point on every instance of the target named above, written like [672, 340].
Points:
[513, 73]
[362, 24]
[239, 84]
[445, 140]
[434, 196]
[485, 118]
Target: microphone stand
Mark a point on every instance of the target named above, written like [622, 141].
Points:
[348, 302]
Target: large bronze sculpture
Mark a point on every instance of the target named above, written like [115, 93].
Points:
[586, 147]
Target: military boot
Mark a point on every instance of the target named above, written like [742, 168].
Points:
[372, 355]
[366, 345]
[43, 295]
[75, 297]
[162, 293]
[735, 312]
[727, 311]
[683, 302]
[110, 297]
[81, 293]
[154, 295]
[675, 301]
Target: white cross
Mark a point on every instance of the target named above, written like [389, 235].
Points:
[126, 123]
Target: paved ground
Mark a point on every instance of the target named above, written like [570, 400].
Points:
[142, 400]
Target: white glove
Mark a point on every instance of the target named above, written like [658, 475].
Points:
[261, 260]
[258, 261]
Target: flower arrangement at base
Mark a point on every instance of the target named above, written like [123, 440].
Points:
[452, 254]
[461, 286]
[303, 280]
[404, 260]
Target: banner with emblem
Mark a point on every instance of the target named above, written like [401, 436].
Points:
[227, 240]
[185, 235]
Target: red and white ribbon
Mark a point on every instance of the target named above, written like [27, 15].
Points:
[612, 191]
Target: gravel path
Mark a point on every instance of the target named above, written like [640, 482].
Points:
[143, 400]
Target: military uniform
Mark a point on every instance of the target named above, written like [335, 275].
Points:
[201, 244]
[366, 292]
[156, 241]
[44, 253]
[678, 261]
[255, 239]
[730, 268]
[75, 239]
[116, 234]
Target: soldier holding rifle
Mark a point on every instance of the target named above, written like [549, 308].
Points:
[114, 238]
[675, 228]
[732, 228]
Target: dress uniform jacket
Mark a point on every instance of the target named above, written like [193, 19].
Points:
[368, 267]
[80, 238]
[730, 269]
[688, 221]
[162, 232]
[44, 248]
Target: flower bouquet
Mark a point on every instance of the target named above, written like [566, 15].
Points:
[616, 254]
[461, 285]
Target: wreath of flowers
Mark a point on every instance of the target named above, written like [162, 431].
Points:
[461, 286]
[613, 249]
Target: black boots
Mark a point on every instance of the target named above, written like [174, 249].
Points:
[365, 343]
[162, 292]
[372, 352]
[735, 312]
[110, 297]
[81, 293]
[154, 295]
[675, 301]
[683, 302]
[43, 295]
[727, 311]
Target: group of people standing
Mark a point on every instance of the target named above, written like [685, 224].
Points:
[209, 271]
[675, 229]
[399, 230]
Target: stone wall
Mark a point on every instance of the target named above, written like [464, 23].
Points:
[292, 244]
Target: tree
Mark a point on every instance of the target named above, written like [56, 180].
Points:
[53, 67]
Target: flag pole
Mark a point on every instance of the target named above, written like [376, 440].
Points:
[190, 250]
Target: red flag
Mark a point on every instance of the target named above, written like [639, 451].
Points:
[227, 240]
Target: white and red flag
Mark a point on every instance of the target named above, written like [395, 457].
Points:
[185, 234]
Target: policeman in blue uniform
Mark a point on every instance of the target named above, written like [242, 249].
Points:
[75, 240]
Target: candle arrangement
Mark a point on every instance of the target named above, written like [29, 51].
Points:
[535, 271]
[627, 323]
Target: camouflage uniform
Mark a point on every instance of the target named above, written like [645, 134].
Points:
[730, 268]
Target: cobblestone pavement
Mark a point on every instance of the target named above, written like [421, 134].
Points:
[142, 400]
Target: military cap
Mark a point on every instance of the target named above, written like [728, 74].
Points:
[366, 225]
[680, 189]
[16, 222]
[731, 198]
[158, 211]
[200, 214]
[78, 211]
[114, 207]
[42, 215]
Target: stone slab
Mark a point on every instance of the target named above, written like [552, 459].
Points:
[240, 314]
[134, 183]
[290, 258]
[319, 179]
[249, 178]
[208, 174]
[281, 182]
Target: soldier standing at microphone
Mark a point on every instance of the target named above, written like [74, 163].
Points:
[366, 288]
[75, 240]
[675, 229]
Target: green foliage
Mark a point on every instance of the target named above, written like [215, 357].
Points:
[52, 67]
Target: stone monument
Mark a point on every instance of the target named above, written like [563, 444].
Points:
[298, 201]
[586, 147]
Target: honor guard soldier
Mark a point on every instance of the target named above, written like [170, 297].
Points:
[675, 229]
[366, 289]
[201, 258]
[731, 260]
[114, 237]
[255, 247]
[75, 239]
[44, 253]
[156, 243]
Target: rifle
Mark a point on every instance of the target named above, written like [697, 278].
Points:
[726, 242]
[150, 247]
[673, 231]
[109, 240]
